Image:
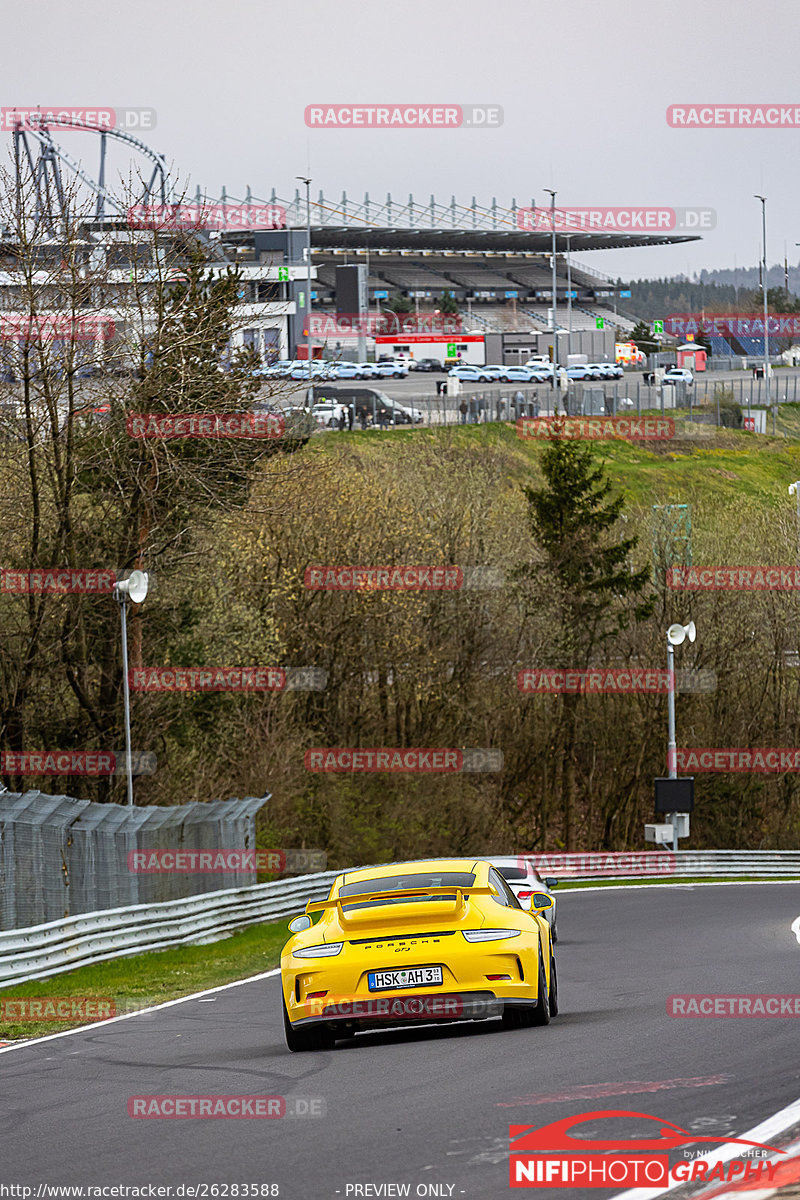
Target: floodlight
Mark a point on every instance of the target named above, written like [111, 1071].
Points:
[677, 634]
[133, 588]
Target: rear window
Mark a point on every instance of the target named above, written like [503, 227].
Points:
[392, 883]
[513, 872]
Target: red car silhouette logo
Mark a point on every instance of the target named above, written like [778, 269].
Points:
[556, 1136]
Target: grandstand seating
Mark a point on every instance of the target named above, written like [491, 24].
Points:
[720, 347]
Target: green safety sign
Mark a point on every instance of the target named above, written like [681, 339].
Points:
[283, 274]
[451, 349]
[658, 326]
[599, 322]
[301, 299]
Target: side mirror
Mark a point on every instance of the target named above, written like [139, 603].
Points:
[300, 923]
[551, 883]
[540, 902]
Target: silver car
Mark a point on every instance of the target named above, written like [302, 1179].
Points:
[523, 879]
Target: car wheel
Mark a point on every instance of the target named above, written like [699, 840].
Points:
[553, 994]
[315, 1037]
[541, 1014]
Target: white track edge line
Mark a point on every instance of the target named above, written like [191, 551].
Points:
[766, 1129]
[97, 1025]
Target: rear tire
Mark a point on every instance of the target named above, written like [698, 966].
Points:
[541, 1014]
[313, 1037]
[553, 991]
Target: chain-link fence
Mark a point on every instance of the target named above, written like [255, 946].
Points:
[60, 857]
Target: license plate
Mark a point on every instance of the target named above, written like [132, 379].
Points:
[407, 977]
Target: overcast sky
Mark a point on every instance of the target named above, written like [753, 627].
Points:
[584, 86]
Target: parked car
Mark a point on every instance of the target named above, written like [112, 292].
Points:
[580, 371]
[370, 406]
[348, 370]
[392, 369]
[319, 370]
[369, 370]
[428, 364]
[676, 375]
[526, 374]
[415, 415]
[469, 374]
[495, 373]
[327, 414]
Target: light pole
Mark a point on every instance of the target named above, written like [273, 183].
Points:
[569, 301]
[134, 589]
[763, 200]
[552, 196]
[676, 635]
[307, 182]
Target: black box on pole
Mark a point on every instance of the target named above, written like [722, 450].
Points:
[675, 795]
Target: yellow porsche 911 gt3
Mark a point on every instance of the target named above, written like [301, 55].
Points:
[418, 942]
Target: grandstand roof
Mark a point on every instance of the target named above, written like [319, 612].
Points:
[480, 240]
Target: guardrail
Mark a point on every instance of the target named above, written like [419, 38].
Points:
[685, 864]
[44, 950]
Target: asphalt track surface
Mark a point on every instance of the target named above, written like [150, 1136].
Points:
[430, 1106]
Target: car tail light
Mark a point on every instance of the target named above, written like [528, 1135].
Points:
[524, 895]
[489, 935]
[315, 995]
[326, 950]
[498, 976]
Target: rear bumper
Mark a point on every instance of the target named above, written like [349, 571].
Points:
[380, 1011]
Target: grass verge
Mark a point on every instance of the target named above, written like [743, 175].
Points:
[144, 979]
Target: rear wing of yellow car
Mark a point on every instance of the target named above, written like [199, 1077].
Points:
[411, 894]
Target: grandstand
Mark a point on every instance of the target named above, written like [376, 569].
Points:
[498, 272]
